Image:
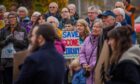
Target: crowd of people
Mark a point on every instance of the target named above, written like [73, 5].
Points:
[109, 53]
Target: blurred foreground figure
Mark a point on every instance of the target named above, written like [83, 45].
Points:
[45, 65]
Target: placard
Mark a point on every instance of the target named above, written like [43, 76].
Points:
[72, 44]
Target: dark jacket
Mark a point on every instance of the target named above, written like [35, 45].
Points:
[133, 35]
[18, 38]
[128, 19]
[127, 71]
[57, 15]
[63, 22]
[76, 16]
[124, 23]
[88, 21]
[45, 66]
[104, 37]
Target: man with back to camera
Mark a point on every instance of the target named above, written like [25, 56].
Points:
[45, 65]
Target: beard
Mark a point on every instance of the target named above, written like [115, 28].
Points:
[33, 47]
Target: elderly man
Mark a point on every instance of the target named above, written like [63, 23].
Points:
[53, 11]
[103, 51]
[54, 21]
[109, 21]
[93, 12]
[73, 12]
[120, 16]
[120, 4]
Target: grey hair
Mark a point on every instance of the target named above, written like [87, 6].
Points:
[122, 12]
[73, 5]
[55, 19]
[6, 13]
[36, 13]
[22, 8]
[3, 8]
[54, 3]
[99, 21]
[95, 8]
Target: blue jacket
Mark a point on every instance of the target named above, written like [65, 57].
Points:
[128, 19]
[78, 77]
[45, 66]
[133, 35]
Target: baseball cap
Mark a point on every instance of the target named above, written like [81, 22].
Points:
[107, 13]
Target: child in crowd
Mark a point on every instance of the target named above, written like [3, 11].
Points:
[68, 26]
[77, 71]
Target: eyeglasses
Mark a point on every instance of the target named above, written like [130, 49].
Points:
[12, 18]
[118, 15]
[92, 13]
[67, 26]
[52, 7]
[51, 22]
[97, 26]
[65, 11]
[118, 7]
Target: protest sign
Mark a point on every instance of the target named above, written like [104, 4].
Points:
[71, 41]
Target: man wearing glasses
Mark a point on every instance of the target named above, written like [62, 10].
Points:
[53, 11]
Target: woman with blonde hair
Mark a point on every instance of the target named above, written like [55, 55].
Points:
[83, 29]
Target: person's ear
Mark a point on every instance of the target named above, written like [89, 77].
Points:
[40, 39]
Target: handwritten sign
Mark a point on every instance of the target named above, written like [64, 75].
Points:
[71, 41]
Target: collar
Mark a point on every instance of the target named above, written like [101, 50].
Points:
[47, 45]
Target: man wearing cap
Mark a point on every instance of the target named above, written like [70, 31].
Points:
[103, 51]
[109, 21]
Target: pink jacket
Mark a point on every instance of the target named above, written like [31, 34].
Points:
[60, 47]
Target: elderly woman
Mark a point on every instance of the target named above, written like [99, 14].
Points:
[58, 42]
[15, 35]
[23, 16]
[83, 30]
[32, 23]
[88, 52]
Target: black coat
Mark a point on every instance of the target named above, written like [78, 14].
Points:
[45, 66]
[126, 72]
[19, 38]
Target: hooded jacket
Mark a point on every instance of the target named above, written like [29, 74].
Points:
[127, 71]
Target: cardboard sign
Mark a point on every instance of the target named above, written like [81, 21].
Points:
[19, 58]
[71, 41]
